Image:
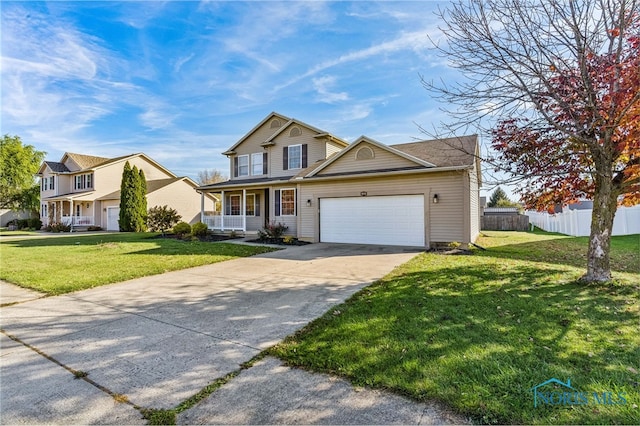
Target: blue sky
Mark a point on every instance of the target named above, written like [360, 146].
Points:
[183, 80]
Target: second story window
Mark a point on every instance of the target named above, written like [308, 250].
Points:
[83, 181]
[294, 157]
[257, 164]
[241, 165]
[48, 183]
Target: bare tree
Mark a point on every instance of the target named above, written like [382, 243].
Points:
[555, 85]
[207, 177]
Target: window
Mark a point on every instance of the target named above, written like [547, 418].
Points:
[250, 208]
[235, 205]
[83, 181]
[44, 184]
[256, 164]
[286, 203]
[78, 210]
[241, 165]
[294, 157]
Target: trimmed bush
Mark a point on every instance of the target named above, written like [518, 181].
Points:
[199, 229]
[35, 223]
[272, 231]
[182, 228]
[162, 218]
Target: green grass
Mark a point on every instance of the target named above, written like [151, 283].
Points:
[478, 332]
[64, 264]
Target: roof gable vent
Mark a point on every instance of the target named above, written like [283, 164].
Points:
[275, 124]
[365, 153]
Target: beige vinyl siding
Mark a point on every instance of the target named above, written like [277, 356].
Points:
[444, 222]
[316, 150]
[382, 160]
[151, 172]
[251, 145]
[333, 148]
[71, 165]
[64, 184]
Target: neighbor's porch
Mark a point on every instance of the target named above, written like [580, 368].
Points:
[68, 212]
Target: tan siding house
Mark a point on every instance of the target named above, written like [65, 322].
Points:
[82, 190]
[325, 190]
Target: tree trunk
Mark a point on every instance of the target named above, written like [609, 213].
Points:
[604, 210]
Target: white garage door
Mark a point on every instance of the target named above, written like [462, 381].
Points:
[113, 215]
[391, 220]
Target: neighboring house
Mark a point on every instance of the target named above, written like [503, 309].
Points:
[83, 190]
[324, 189]
[8, 215]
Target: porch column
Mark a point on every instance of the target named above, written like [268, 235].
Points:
[243, 210]
[202, 207]
[71, 213]
[222, 213]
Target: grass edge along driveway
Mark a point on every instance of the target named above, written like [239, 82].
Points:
[478, 332]
[64, 264]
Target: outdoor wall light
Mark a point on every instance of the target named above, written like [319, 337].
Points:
[363, 193]
[308, 203]
[435, 198]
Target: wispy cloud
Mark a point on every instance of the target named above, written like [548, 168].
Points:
[324, 85]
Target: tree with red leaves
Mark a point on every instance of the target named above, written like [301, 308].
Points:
[559, 83]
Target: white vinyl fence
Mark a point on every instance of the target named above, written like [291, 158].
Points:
[578, 222]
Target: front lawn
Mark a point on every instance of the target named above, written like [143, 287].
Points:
[60, 265]
[478, 332]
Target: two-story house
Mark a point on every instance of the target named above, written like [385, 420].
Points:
[84, 190]
[324, 189]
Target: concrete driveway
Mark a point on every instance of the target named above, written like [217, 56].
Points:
[158, 340]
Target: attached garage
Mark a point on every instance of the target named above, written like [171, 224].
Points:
[113, 216]
[387, 220]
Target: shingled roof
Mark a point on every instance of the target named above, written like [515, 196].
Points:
[448, 152]
[57, 167]
[87, 161]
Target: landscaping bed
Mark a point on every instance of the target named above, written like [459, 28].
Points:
[480, 332]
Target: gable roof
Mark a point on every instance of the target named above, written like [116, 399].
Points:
[288, 122]
[447, 152]
[54, 166]
[84, 161]
[256, 127]
[364, 139]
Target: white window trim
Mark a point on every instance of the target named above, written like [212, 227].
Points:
[253, 164]
[240, 166]
[254, 205]
[294, 202]
[290, 157]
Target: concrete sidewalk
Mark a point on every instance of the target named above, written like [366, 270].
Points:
[10, 294]
[159, 340]
[271, 393]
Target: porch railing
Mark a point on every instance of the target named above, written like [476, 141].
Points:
[224, 222]
[78, 220]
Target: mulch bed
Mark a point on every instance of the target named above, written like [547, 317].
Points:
[279, 242]
[211, 238]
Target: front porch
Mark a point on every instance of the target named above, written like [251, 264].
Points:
[70, 212]
[243, 211]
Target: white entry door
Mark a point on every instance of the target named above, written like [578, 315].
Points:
[387, 220]
[113, 215]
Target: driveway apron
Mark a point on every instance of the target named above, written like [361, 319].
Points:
[158, 340]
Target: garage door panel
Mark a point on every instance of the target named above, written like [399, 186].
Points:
[388, 220]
